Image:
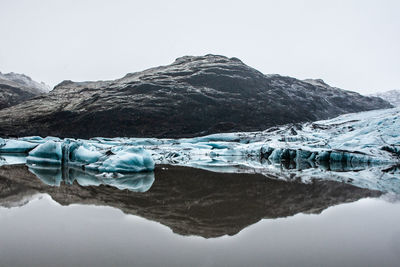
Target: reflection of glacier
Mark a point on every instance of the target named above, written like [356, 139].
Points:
[54, 176]
[192, 201]
[361, 148]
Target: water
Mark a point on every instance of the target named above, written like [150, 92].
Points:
[192, 217]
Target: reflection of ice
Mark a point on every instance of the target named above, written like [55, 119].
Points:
[12, 158]
[382, 177]
[48, 174]
[53, 175]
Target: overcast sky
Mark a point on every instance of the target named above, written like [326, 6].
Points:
[353, 45]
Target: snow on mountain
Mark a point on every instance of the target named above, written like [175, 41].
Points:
[25, 81]
[392, 96]
[360, 148]
[16, 88]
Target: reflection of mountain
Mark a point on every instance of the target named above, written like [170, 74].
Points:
[193, 201]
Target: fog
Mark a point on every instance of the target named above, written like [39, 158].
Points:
[350, 44]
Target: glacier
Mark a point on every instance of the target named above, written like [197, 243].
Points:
[359, 148]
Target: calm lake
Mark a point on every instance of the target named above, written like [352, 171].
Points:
[192, 217]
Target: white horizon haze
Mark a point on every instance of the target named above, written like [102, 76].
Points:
[350, 44]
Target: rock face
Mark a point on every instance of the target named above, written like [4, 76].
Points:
[392, 96]
[16, 88]
[192, 96]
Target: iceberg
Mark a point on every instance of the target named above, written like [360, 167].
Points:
[123, 159]
[16, 146]
[130, 159]
[85, 155]
[49, 153]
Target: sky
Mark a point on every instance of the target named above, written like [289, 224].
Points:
[350, 44]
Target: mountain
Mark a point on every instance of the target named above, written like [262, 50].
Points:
[16, 88]
[192, 96]
[392, 96]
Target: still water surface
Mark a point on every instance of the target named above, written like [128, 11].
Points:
[196, 218]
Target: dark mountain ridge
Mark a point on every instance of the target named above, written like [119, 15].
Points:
[192, 96]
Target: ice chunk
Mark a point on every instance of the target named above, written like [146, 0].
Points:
[303, 154]
[47, 153]
[282, 154]
[16, 146]
[129, 159]
[85, 154]
[323, 156]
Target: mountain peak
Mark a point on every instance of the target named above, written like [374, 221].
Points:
[317, 82]
[206, 58]
[392, 96]
[16, 88]
[25, 81]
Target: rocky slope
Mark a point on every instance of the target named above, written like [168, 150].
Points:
[16, 88]
[392, 96]
[192, 96]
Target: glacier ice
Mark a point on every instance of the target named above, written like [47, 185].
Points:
[355, 148]
[85, 155]
[16, 146]
[48, 153]
[130, 159]
[92, 157]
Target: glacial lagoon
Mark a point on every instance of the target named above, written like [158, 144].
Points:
[194, 217]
